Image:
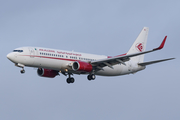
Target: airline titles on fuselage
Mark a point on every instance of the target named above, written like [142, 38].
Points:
[62, 53]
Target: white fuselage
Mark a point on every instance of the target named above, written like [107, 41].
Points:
[61, 60]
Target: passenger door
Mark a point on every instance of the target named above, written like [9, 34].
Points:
[32, 52]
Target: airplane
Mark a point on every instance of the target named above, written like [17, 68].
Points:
[51, 62]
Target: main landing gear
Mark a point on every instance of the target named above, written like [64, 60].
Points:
[91, 77]
[70, 79]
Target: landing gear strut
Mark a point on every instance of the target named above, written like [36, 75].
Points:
[91, 77]
[21, 66]
[70, 79]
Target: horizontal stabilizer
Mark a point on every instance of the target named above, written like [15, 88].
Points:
[152, 62]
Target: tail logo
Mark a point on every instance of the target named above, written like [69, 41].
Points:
[139, 47]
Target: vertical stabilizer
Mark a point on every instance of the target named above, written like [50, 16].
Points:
[139, 45]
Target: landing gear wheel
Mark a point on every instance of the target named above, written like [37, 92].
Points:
[91, 77]
[22, 71]
[70, 80]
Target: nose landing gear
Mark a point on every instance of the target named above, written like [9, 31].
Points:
[21, 66]
[22, 71]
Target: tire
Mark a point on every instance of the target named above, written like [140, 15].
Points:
[93, 77]
[68, 80]
[89, 77]
[22, 71]
[72, 80]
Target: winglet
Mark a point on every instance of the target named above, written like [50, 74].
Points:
[162, 44]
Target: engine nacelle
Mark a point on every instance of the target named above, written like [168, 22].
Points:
[82, 66]
[47, 73]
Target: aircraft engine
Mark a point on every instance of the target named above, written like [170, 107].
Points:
[82, 66]
[47, 73]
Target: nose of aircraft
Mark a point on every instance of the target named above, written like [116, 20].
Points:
[10, 56]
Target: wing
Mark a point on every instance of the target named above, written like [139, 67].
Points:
[99, 64]
[152, 62]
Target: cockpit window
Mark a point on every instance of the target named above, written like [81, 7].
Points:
[17, 50]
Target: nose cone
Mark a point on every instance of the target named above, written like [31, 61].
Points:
[10, 56]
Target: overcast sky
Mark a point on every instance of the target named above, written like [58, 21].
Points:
[99, 27]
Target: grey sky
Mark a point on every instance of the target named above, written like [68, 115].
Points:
[99, 27]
